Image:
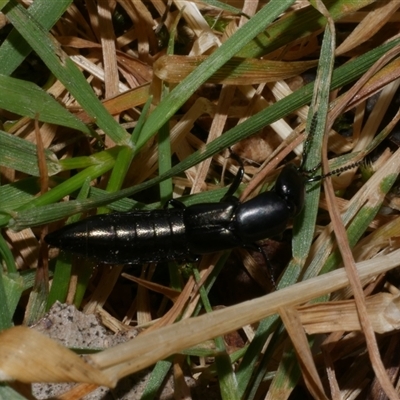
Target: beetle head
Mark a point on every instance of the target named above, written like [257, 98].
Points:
[290, 186]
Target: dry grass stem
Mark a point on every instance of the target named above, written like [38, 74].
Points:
[174, 338]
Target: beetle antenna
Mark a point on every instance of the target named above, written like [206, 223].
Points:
[306, 148]
[336, 171]
[308, 141]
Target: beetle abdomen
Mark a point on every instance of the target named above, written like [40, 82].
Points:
[126, 238]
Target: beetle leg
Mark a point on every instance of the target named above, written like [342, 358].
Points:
[174, 203]
[270, 267]
[237, 180]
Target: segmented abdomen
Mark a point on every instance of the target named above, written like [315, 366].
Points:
[126, 238]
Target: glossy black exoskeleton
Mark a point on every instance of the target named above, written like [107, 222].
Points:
[183, 233]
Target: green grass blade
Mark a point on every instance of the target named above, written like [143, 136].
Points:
[164, 162]
[9, 393]
[122, 164]
[18, 193]
[63, 269]
[32, 213]
[64, 69]
[360, 222]
[157, 377]
[252, 357]
[60, 283]
[292, 27]
[14, 49]
[29, 100]
[3, 3]
[5, 314]
[14, 286]
[303, 228]
[342, 76]
[7, 256]
[304, 225]
[21, 155]
[178, 96]
[84, 275]
[226, 377]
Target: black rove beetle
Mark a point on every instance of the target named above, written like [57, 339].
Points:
[184, 233]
